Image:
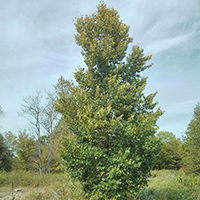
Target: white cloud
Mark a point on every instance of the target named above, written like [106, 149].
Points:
[165, 44]
[182, 107]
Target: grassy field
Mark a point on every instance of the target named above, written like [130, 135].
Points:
[39, 187]
[163, 185]
[171, 185]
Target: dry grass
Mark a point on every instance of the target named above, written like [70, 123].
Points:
[37, 187]
[163, 185]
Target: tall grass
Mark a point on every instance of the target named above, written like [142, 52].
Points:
[20, 178]
[163, 185]
[171, 185]
[51, 186]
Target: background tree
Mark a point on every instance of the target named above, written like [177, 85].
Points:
[43, 120]
[23, 148]
[5, 155]
[32, 110]
[110, 144]
[50, 123]
[55, 159]
[191, 144]
[169, 156]
[10, 140]
[25, 151]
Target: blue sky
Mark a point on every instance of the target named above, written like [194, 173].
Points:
[37, 46]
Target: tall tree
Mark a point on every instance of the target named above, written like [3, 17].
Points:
[32, 110]
[191, 146]
[110, 144]
[44, 120]
[50, 124]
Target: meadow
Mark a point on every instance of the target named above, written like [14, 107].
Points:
[163, 185]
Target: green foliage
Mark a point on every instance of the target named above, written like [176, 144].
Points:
[104, 35]
[186, 180]
[24, 148]
[44, 121]
[5, 155]
[110, 144]
[165, 185]
[191, 146]
[26, 151]
[164, 194]
[169, 156]
[10, 140]
[166, 136]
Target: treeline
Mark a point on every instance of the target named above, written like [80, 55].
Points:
[21, 152]
[182, 153]
[37, 147]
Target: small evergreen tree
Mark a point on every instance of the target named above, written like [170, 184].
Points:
[110, 144]
[191, 146]
[5, 155]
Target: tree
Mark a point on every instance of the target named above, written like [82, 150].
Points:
[23, 148]
[191, 144]
[110, 144]
[55, 160]
[32, 110]
[5, 155]
[169, 156]
[44, 120]
[10, 140]
[50, 123]
[25, 151]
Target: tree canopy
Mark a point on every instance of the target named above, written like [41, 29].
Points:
[110, 144]
[169, 156]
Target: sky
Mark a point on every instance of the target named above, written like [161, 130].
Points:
[37, 46]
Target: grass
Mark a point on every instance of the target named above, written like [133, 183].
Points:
[32, 179]
[41, 186]
[169, 185]
[163, 185]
